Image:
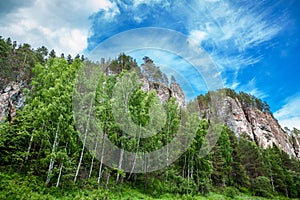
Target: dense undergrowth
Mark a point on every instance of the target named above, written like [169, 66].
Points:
[15, 186]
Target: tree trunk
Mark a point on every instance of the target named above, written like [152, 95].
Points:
[120, 164]
[107, 180]
[192, 169]
[184, 165]
[101, 161]
[145, 170]
[60, 168]
[133, 166]
[55, 144]
[167, 142]
[27, 154]
[59, 175]
[91, 168]
[135, 157]
[29, 148]
[272, 183]
[84, 141]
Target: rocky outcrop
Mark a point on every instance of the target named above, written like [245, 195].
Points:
[178, 94]
[267, 131]
[164, 93]
[11, 99]
[295, 139]
[235, 118]
[261, 127]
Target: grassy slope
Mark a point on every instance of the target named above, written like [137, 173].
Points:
[14, 186]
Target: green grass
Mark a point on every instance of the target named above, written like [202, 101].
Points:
[14, 187]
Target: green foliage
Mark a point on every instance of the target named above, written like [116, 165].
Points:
[238, 176]
[282, 171]
[231, 192]
[222, 159]
[15, 63]
[44, 130]
[152, 72]
[14, 186]
[262, 186]
[247, 100]
[123, 62]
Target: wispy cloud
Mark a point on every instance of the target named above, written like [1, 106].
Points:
[289, 114]
[229, 30]
[251, 88]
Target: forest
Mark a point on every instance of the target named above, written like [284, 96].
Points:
[43, 156]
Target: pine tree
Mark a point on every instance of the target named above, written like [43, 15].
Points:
[222, 159]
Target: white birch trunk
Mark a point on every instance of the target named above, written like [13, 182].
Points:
[59, 175]
[135, 157]
[29, 148]
[120, 163]
[92, 163]
[167, 172]
[60, 168]
[101, 161]
[192, 170]
[84, 142]
[55, 144]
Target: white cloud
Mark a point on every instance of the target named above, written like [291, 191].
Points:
[59, 25]
[289, 114]
[95, 5]
[163, 3]
[293, 122]
[212, 0]
[74, 40]
[198, 36]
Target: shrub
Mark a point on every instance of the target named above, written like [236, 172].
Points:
[230, 192]
[262, 187]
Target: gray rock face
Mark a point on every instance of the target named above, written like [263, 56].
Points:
[261, 127]
[177, 93]
[11, 99]
[235, 118]
[267, 131]
[296, 144]
[164, 93]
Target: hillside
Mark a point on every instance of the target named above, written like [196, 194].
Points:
[46, 154]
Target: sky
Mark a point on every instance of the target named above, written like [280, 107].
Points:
[254, 45]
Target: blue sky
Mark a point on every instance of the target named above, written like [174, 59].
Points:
[254, 44]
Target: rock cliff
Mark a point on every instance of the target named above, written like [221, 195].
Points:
[11, 99]
[164, 92]
[258, 125]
